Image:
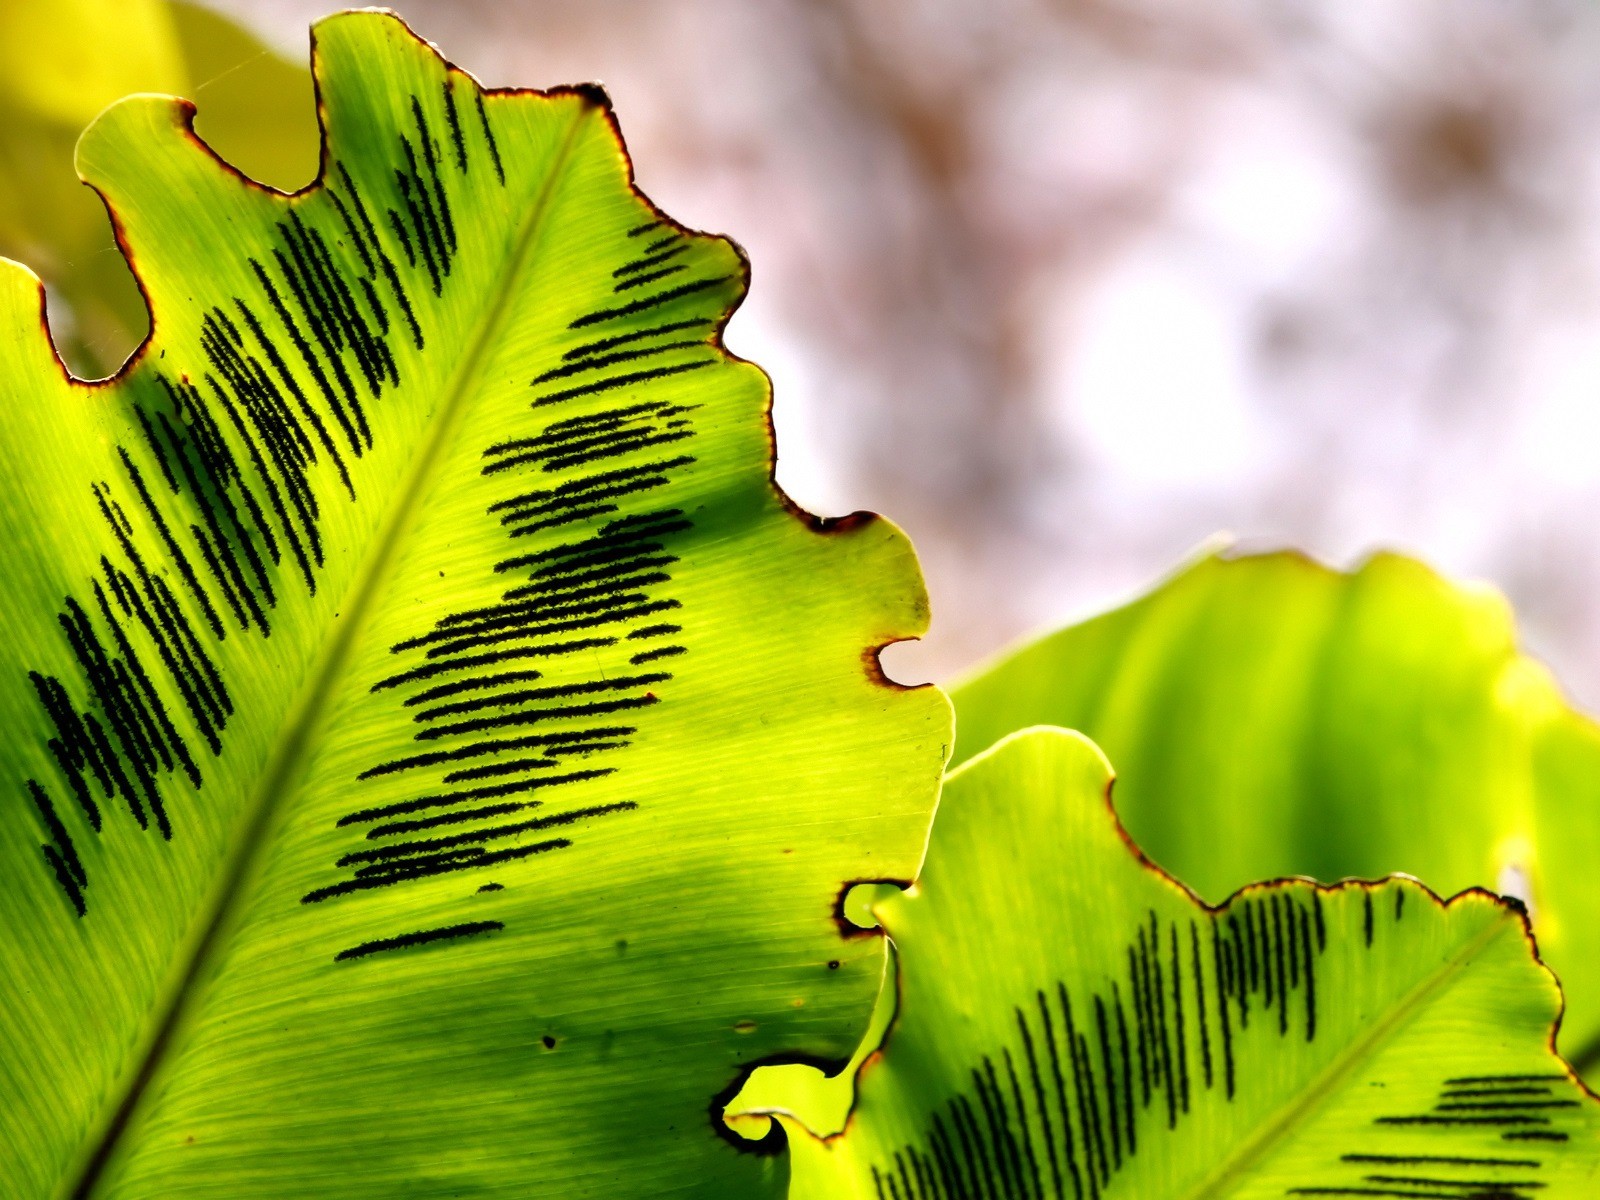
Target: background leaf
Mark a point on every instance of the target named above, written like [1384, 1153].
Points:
[1073, 1023]
[1271, 717]
[63, 62]
[436, 746]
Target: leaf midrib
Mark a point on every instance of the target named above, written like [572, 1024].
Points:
[291, 750]
[1310, 1098]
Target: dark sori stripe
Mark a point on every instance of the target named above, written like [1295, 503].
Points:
[420, 938]
[1492, 1112]
[1092, 1079]
[601, 579]
[214, 511]
[505, 696]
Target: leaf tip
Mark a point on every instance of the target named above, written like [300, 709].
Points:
[758, 1132]
[853, 905]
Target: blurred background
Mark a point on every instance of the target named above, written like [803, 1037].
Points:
[1067, 286]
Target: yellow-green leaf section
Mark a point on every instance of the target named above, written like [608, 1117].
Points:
[1075, 1024]
[1269, 716]
[60, 64]
[434, 746]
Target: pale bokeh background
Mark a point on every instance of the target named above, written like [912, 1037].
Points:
[1066, 286]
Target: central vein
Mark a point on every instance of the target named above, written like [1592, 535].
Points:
[305, 721]
[1312, 1097]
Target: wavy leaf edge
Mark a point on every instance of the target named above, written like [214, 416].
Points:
[786, 1122]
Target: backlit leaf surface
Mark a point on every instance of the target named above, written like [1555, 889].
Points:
[1074, 1023]
[434, 745]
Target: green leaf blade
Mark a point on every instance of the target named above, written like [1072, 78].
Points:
[1269, 716]
[1299, 1040]
[443, 543]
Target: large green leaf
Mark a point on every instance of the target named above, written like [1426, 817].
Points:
[1074, 1023]
[60, 64]
[1269, 716]
[436, 747]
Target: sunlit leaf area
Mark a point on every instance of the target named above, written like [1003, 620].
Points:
[881, 601]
